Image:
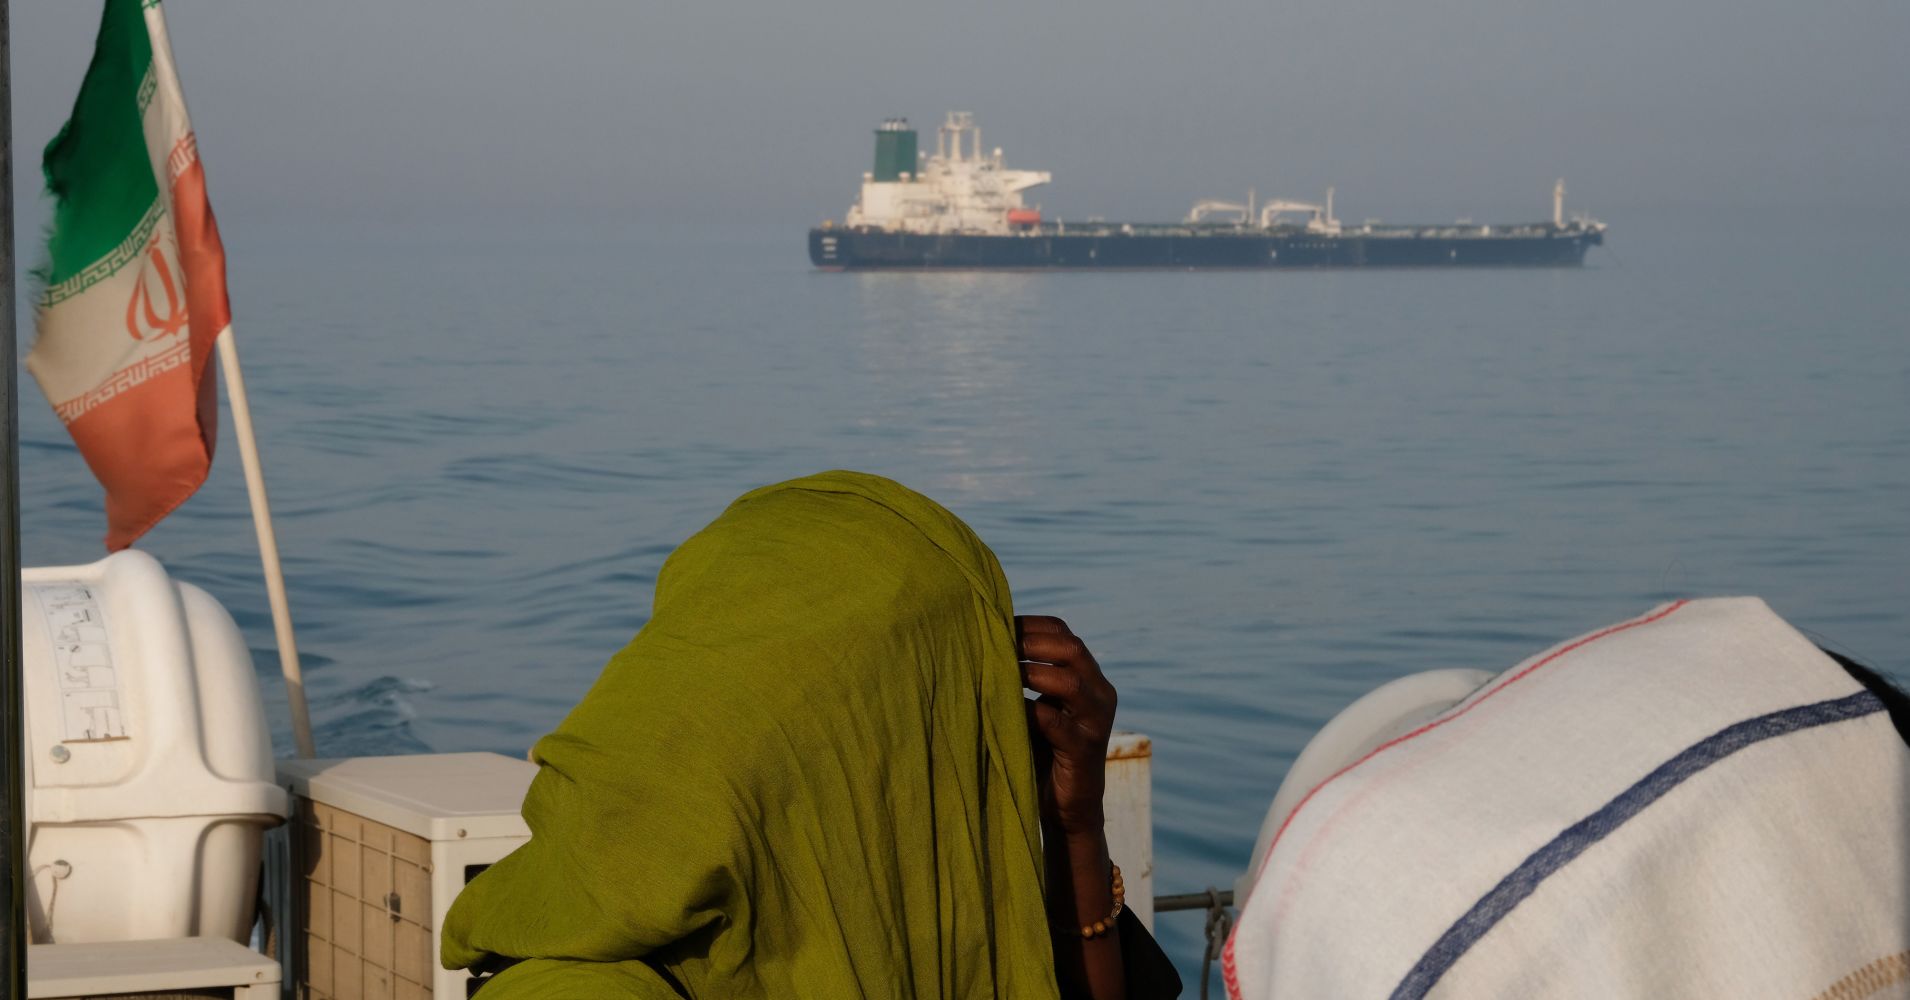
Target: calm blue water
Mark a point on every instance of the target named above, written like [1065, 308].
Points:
[1257, 495]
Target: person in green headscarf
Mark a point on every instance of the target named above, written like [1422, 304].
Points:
[813, 773]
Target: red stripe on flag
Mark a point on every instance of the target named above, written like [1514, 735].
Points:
[145, 447]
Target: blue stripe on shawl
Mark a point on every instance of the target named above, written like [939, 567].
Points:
[1525, 879]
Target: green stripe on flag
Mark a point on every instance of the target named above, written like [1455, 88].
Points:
[97, 169]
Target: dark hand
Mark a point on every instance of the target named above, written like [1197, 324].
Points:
[1069, 724]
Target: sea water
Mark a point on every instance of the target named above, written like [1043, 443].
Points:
[1257, 495]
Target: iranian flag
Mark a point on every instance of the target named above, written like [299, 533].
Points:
[134, 284]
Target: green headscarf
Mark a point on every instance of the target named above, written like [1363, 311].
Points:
[807, 776]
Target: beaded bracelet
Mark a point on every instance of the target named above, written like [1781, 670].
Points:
[1094, 930]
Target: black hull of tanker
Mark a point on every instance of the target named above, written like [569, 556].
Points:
[853, 249]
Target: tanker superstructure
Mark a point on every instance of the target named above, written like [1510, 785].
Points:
[962, 208]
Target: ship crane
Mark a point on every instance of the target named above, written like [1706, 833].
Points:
[1319, 217]
[1580, 221]
[1209, 207]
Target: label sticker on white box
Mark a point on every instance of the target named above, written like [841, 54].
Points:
[83, 661]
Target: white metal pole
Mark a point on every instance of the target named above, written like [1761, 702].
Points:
[268, 544]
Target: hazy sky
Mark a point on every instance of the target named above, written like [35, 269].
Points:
[434, 110]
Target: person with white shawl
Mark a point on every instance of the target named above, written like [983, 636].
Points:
[1695, 803]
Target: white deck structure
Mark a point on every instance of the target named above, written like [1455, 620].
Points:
[956, 190]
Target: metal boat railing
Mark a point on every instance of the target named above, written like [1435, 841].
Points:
[1220, 922]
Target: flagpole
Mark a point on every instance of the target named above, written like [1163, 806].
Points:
[13, 826]
[268, 542]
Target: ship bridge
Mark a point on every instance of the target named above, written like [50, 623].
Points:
[957, 189]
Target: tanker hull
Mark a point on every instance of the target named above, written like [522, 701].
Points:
[872, 249]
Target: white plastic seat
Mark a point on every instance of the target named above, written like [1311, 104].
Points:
[104, 968]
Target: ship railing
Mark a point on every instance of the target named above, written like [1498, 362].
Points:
[1220, 922]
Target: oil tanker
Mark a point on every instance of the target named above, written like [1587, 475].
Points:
[961, 208]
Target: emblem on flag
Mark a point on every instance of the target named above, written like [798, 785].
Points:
[144, 317]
